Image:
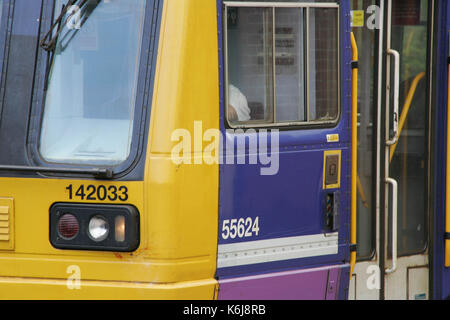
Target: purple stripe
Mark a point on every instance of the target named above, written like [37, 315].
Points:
[309, 284]
[333, 279]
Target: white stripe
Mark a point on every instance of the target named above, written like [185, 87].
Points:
[251, 252]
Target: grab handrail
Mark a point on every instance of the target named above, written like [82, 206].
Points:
[405, 110]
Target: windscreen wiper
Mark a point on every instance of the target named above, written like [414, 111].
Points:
[84, 10]
[98, 173]
[49, 41]
[84, 14]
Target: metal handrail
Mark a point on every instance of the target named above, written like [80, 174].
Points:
[405, 110]
[396, 56]
[354, 151]
[394, 185]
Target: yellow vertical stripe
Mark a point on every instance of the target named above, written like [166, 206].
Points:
[354, 152]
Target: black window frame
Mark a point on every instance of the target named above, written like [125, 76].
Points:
[134, 166]
[285, 125]
[5, 34]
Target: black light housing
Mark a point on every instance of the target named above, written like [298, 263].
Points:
[101, 227]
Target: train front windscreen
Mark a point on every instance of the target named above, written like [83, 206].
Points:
[92, 83]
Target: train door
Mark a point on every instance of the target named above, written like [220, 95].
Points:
[393, 148]
[285, 176]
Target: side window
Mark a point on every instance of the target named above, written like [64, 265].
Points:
[281, 64]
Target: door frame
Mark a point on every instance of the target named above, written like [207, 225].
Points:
[381, 194]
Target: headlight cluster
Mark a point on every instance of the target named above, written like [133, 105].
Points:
[94, 227]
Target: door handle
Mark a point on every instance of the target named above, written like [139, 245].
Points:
[394, 185]
[396, 56]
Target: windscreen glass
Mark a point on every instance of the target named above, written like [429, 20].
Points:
[91, 90]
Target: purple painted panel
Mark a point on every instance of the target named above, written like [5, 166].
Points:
[309, 284]
[333, 282]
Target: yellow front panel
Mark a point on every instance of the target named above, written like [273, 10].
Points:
[178, 204]
[40, 289]
[34, 256]
[184, 219]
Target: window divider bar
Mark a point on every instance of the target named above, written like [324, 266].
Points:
[301, 78]
[307, 67]
[225, 66]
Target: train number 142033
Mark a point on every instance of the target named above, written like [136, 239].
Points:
[102, 193]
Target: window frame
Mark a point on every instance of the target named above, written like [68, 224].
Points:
[5, 32]
[142, 108]
[274, 5]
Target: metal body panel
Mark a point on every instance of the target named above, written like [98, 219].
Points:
[440, 280]
[177, 255]
[51, 289]
[289, 204]
[306, 284]
[365, 282]
[397, 282]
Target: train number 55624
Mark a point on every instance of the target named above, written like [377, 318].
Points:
[240, 228]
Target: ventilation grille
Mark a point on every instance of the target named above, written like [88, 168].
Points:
[6, 224]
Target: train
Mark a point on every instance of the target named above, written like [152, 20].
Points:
[224, 150]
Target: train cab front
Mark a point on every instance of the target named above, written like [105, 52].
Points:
[176, 149]
[92, 204]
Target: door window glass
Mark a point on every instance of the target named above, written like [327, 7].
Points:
[409, 158]
[281, 64]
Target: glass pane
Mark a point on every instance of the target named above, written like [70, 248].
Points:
[323, 64]
[409, 162]
[89, 110]
[290, 75]
[250, 65]
[366, 41]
